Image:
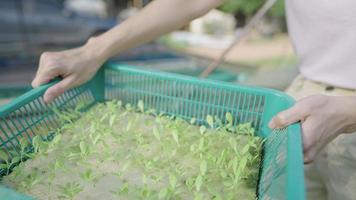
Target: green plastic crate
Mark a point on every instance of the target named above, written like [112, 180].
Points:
[281, 173]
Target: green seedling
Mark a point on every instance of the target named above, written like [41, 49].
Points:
[164, 193]
[5, 163]
[84, 149]
[88, 175]
[175, 136]
[198, 182]
[70, 190]
[210, 121]
[141, 106]
[202, 129]
[148, 154]
[193, 121]
[30, 180]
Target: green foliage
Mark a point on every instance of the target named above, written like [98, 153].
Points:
[249, 7]
[145, 155]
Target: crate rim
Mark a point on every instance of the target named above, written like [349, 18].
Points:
[35, 92]
[295, 192]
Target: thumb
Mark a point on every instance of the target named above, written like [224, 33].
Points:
[58, 89]
[294, 114]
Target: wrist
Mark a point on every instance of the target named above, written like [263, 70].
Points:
[96, 50]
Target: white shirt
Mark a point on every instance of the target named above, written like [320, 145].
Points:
[323, 33]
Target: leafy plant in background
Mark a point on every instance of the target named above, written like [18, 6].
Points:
[244, 9]
[250, 7]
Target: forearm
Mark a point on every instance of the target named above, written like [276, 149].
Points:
[156, 19]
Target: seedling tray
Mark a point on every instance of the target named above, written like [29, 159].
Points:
[281, 173]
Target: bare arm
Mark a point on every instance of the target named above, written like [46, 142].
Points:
[78, 65]
[158, 18]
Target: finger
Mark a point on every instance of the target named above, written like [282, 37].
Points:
[309, 140]
[309, 156]
[40, 80]
[47, 70]
[45, 75]
[58, 89]
[294, 114]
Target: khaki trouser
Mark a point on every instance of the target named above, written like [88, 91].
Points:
[332, 175]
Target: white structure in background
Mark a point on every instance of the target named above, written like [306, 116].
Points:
[128, 12]
[201, 40]
[87, 7]
[214, 23]
[214, 30]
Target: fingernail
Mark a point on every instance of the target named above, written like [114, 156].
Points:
[48, 98]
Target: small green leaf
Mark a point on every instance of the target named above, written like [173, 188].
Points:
[198, 182]
[198, 196]
[233, 143]
[124, 189]
[202, 129]
[104, 117]
[96, 139]
[163, 193]
[193, 120]
[243, 163]
[203, 167]
[15, 159]
[218, 121]
[87, 175]
[57, 138]
[23, 144]
[229, 117]
[141, 106]
[210, 120]
[3, 166]
[223, 174]
[189, 183]
[3, 155]
[84, 148]
[201, 143]
[227, 183]
[235, 163]
[128, 107]
[192, 148]
[156, 133]
[36, 142]
[125, 166]
[128, 127]
[175, 136]
[112, 120]
[144, 179]
[245, 149]
[173, 181]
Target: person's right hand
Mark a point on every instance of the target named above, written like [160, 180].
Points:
[74, 66]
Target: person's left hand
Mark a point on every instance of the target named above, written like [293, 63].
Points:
[322, 119]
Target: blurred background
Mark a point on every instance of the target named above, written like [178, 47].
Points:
[29, 27]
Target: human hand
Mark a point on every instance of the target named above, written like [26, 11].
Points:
[75, 66]
[322, 119]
